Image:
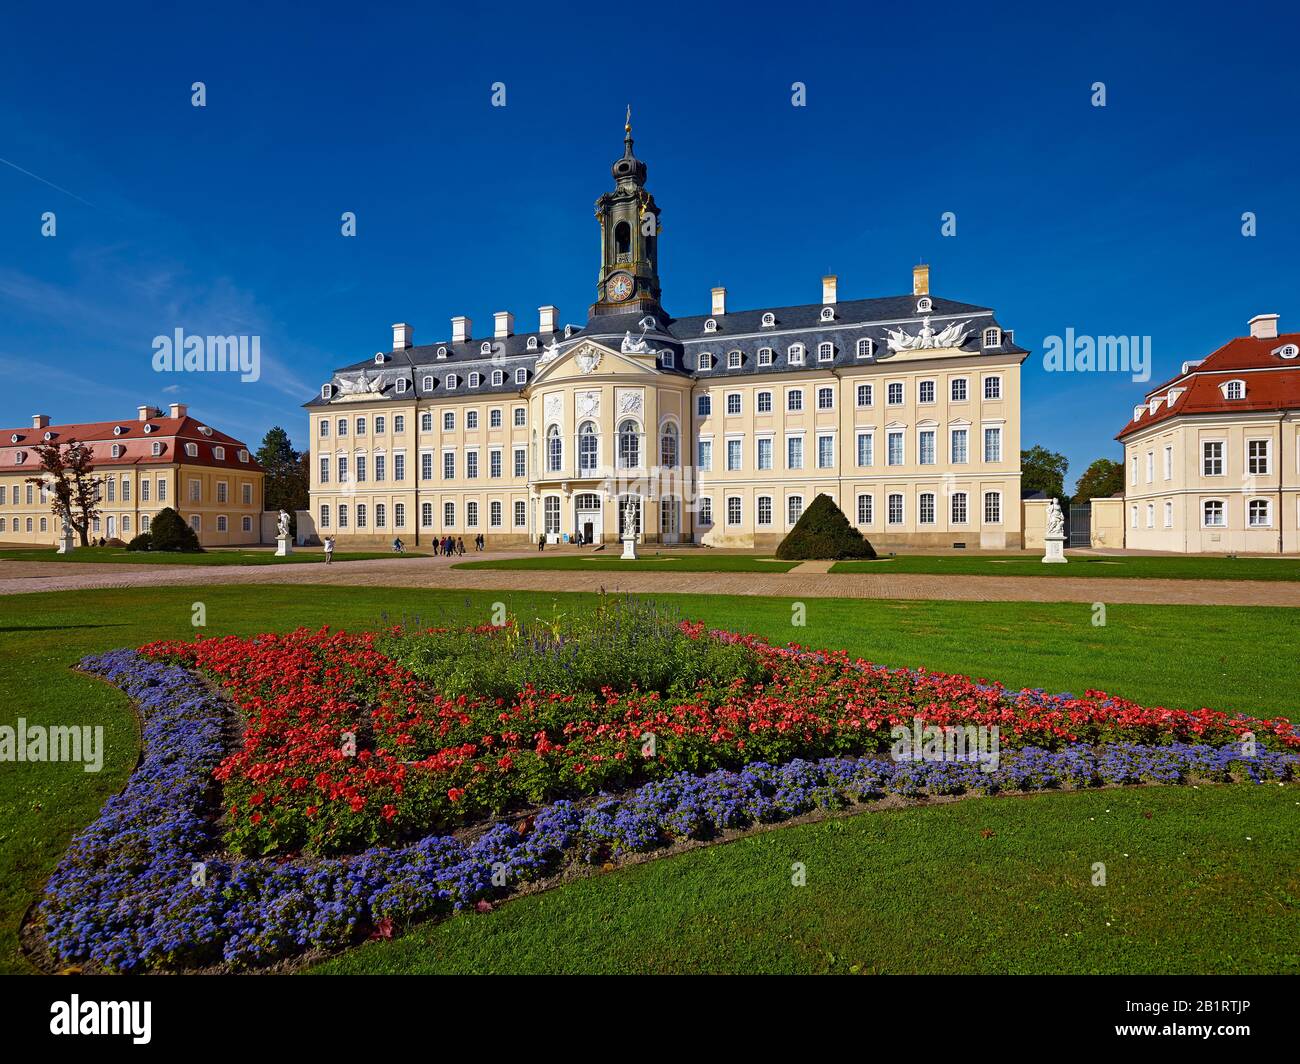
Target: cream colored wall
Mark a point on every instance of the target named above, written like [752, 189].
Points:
[1107, 523]
[1187, 487]
[127, 511]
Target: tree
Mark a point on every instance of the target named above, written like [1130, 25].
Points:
[823, 532]
[1100, 480]
[286, 486]
[168, 531]
[1043, 470]
[68, 474]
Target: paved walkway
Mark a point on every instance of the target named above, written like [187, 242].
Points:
[18, 577]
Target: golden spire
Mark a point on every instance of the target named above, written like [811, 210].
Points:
[627, 125]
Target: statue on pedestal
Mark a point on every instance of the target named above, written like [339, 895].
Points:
[1054, 540]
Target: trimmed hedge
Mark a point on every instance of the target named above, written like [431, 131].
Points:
[824, 533]
[168, 531]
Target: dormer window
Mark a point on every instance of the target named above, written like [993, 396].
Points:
[1234, 390]
[427, 384]
[116, 450]
[157, 448]
[498, 378]
[1137, 414]
[568, 331]
[327, 391]
[475, 379]
[148, 429]
[14, 438]
[710, 326]
[379, 358]
[764, 356]
[485, 348]
[668, 359]
[117, 430]
[442, 352]
[704, 362]
[993, 337]
[191, 450]
[205, 430]
[1287, 351]
[866, 348]
[19, 456]
[243, 455]
[49, 436]
[794, 355]
[521, 376]
[734, 359]
[401, 385]
[532, 343]
[828, 313]
[452, 381]
[769, 320]
[219, 453]
[924, 305]
[825, 352]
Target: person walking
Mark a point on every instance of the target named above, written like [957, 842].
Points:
[541, 541]
[460, 545]
[329, 549]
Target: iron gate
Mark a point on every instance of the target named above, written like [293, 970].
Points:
[1081, 525]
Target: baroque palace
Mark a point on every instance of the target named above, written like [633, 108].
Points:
[716, 429]
[142, 465]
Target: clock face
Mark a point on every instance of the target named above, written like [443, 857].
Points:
[619, 287]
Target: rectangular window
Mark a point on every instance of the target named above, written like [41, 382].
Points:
[381, 511]
[794, 452]
[399, 515]
[196, 491]
[343, 469]
[894, 447]
[733, 510]
[494, 514]
[925, 455]
[733, 455]
[361, 426]
[381, 423]
[126, 492]
[764, 402]
[222, 491]
[825, 398]
[992, 445]
[399, 425]
[825, 452]
[521, 513]
[1169, 463]
[399, 467]
[494, 420]
[765, 509]
[958, 390]
[765, 452]
[343, 516]
[426, 514]
[925, 392]
[866, 449]
[992, 507]
[959, 508]
[494, 464]
[324, 426]
[866, 504]
[144, 491]
[1169, 514]
[1212, 458]
[521, 462]
[162, 491]
[448, 465]
[959, 445]
[448, 514]
[1213, 513]
[426, 422]
[426, 466]
[895, 510]
[471, 419]
[248, 494]
[733, 403]
[1257, 459]
[703, 406]
[343, 426]
[925, 508]
[1151, 466]
[449, 421]
[471, 515]
[361, 468]
[894, 394]
[794, 401]
[706, 510]
[521, 416]
[471, 465]
[864, 395]
[112, 490]
[704, 454]
[381, 466]
[992, 387]
[324, 517]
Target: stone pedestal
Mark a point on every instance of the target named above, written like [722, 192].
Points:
[283, 546]
[66, 544]
[1054, 549]
[629, 548]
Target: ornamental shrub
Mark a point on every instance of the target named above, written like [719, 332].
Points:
[168, 531]
[824, 533]
[144, 541]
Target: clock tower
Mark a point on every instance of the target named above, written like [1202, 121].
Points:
[629, 239]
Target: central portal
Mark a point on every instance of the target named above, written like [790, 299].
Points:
[587, 516]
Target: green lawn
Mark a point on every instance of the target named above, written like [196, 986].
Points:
[210, 557]
[1164, 568]
[1231, 658]
[694, 562]
[1197, 881]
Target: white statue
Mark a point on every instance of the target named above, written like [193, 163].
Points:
[282, 526]
[1055, 519]
[629, 530]
[952, 335]
[551, 351]
[634, 347]
[363, 384]
[1054, 540]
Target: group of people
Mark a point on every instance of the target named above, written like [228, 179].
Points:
[453, 545]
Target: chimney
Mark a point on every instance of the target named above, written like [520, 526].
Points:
[1264, 326]
[42, 421]
[178, 410]
[920, 280]
[828, 289]
[719, 302]
[549, 316]
[143, 413]
[460, 330]
[504, 324]
[403, 336]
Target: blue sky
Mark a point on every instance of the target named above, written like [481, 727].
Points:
[226, 219]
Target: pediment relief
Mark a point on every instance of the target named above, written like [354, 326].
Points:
[588, 359]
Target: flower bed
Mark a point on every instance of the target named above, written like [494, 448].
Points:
[129, 894]
[346, 745]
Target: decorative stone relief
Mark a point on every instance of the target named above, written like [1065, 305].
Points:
[952, 335]
[588, 404]
[630, 401]
[554, 407]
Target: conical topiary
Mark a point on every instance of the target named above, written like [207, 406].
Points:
[824, 533]
[168, 531]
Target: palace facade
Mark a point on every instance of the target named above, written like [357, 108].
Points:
[143, 464]
[718, 428]
[1212, 456]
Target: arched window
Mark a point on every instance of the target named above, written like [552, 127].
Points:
[622, 239]
[428, 383]
[554, 450]
[668, 446]
[629, 445]
[865, 348]
[588, 447]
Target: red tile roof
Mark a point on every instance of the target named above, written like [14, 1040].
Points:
[137, 445]
[1272, 382]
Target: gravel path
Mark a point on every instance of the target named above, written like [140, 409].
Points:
[18, 577]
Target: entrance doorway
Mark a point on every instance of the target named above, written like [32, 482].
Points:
[586, 506]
